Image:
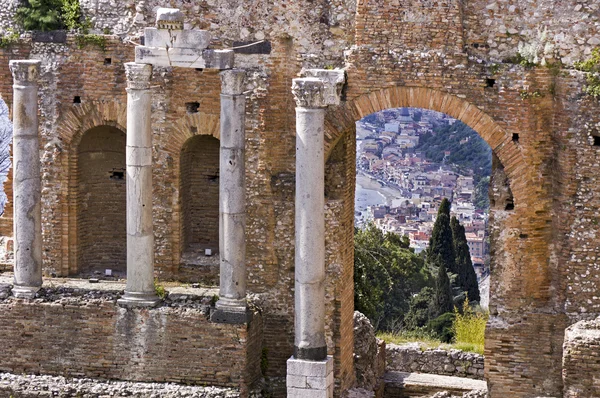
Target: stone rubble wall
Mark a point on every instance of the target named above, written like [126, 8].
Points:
[409, 358]
[29, 386]
[581, 360]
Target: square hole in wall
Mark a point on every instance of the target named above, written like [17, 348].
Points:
[192, 107]
[490, 82]
[107, 61]
[77, 99]
[596, 140]
[515, 137]
[117, 175]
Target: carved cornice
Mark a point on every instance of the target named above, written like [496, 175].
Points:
[25, 72]
[334, 81]
[138, 75]
[169, 18]
[309, 92]
[232, 81]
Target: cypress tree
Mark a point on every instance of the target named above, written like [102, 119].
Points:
[442, 299]
[466, 277]
[441, 247]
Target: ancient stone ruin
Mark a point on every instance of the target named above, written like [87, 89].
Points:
[213, 153]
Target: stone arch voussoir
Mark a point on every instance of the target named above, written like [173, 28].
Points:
[341, 120]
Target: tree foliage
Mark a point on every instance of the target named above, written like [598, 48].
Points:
[47, 15]
[386, 276]
[466, 278]
[443, 293]
[441, 246]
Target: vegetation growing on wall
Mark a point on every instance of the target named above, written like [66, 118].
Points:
[47, 15]
[592, 68]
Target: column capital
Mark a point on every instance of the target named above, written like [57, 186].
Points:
[25, 72]
[309, 92]
[232, 81]
[334, 82]
[138, 75]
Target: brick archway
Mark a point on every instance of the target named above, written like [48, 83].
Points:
[189, 126]
[340, 145]
[342, 119]
[71, 127]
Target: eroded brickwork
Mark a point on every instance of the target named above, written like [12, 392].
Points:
[445, 56]
[96, 338]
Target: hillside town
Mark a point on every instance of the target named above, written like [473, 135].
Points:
[399, 189]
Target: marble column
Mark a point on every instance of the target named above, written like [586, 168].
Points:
[310, 220]
[231, 306]
[310, 370]
[140, 236]
[27, 218]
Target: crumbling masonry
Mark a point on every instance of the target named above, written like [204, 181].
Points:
[455, 57]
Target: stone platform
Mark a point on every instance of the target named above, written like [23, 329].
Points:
[75, 328]
[412, 385]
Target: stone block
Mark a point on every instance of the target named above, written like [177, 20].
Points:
[307, 393]
[184, 57]
[296, 381]
[300, 367]
[196, 39]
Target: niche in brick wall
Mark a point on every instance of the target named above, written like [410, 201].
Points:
[101, 202]
[199, 196]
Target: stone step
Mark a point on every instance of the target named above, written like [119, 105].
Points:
[409, 385]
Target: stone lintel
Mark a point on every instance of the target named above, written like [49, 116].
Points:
[138, 75]
[185, 57]
[232, 81]
[169, 18]
[334, 81]
[309, 92]
[179, 38]
[25, 72]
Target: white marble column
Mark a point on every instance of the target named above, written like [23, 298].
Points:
[231, 306]
[140, 236]
[27, 218]
[310, 220]
[310, 370]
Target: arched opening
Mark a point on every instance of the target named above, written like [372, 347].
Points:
[101, 202]
[199, 198]
[510, 174]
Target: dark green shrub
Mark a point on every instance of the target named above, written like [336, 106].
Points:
[441, 327]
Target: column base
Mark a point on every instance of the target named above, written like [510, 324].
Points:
[26, 292]
[134, 299]
[231, 311]
[310, 379]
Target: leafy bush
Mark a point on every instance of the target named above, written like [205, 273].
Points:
[386, 275]
[441, 327]
[11, 37]
[46, 15]
[469, 327]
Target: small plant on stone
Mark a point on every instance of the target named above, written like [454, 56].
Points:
[591, 67]
[10, 37]
[84, 40]
[160, 289]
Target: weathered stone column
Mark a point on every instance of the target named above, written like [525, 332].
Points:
[231, 306]
[140, 236]
[310, 370]
[27, 218]
[310, 349]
